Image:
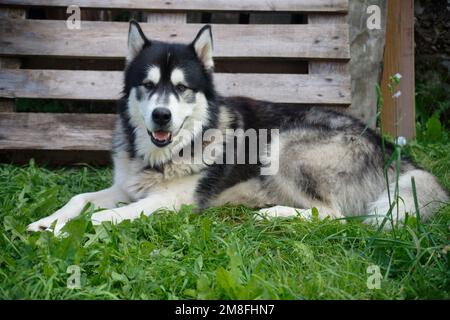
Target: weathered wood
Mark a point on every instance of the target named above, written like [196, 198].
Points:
[107, 85]
[9, 105]
[74, 137]
[166, 18]
[53, 131]
[331, 67]
[196, 5]
[328, 67]
[398, 114]
[60, 84]
[108, 39]
[284, 88]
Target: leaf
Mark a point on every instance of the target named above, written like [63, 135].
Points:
[202, 283]
[227, 282]
[315, 213]
[76, 227]
[199, 262]
[48, 271]
[235, 261]
[411, 222]
[118, 277]
[9, 223]
[190, 293]
[204, 290]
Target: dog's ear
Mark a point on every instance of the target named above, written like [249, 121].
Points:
[136, 40]
[203, 46]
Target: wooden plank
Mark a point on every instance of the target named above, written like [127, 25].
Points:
[196, 5]
[107, 85]
[398, 115]
[166, 18]
[9, 105]
[53, 131]
[302, 88]
[61, 84]
[98, 39]
[328, 67]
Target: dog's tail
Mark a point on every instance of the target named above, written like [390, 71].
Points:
[430, 197]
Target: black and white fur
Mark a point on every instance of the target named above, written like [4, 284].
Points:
[326, 159]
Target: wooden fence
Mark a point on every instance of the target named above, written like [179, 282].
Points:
[287, 51]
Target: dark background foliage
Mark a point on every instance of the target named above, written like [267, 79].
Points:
[432, 41]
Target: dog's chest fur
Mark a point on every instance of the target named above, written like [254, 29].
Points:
[139, 180]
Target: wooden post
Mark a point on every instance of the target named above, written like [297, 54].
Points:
[398, 114]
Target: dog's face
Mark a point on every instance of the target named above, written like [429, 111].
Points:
[167, 85]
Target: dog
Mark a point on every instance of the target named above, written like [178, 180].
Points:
[301, 158]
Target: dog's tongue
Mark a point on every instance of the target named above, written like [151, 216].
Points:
[161, 135]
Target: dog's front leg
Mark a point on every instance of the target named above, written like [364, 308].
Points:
[107, 198]
[170, 196]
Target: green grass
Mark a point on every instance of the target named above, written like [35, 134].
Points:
[220, 253]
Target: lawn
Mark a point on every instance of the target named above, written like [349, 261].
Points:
[220, 253]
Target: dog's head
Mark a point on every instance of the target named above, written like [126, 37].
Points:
[168, 87]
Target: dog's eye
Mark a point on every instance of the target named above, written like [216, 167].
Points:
[149, 85]
[181, 88]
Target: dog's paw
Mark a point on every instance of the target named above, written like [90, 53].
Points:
[47, 224]
[41, 225]
[283, 212]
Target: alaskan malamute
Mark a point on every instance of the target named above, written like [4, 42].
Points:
[178, 142]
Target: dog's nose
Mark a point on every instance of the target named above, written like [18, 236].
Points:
[161, 116]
